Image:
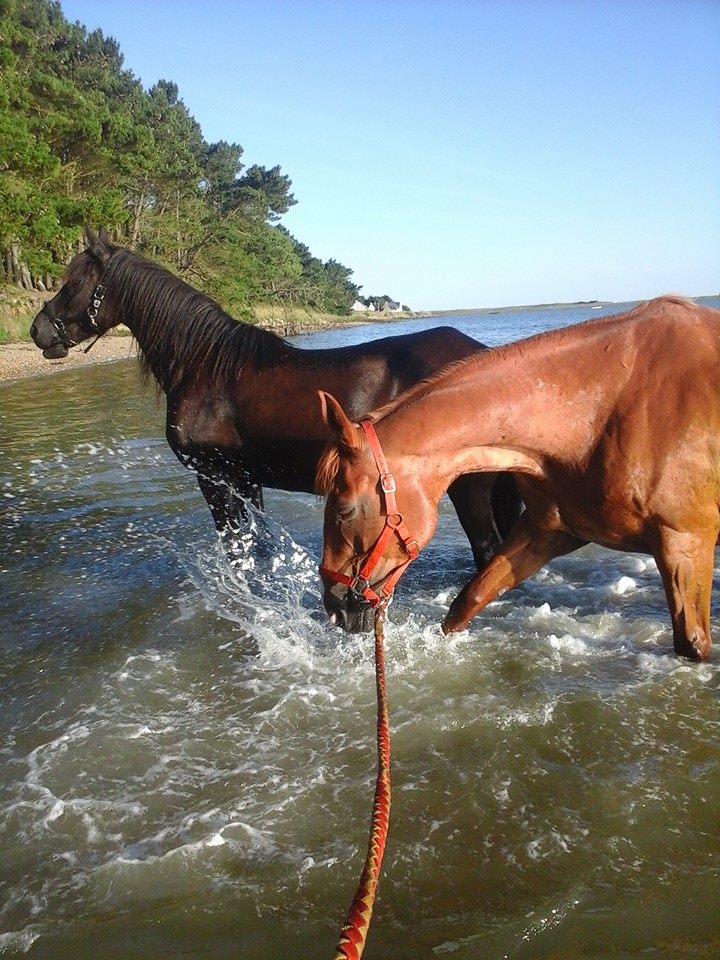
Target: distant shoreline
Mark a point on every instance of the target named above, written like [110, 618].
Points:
[424, 314]
[551, 306]
[529, 306]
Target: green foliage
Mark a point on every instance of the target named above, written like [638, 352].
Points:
[325, 286]
[81, 141]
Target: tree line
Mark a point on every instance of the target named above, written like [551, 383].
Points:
[81, 141]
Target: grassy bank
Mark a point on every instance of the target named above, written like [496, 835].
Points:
[17, 310]
[289, 321]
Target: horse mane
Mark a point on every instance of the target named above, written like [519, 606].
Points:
[184, 332]
[327, 468]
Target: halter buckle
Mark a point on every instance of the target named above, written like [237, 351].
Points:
[387, 483]
[358, 586]
[98, 297]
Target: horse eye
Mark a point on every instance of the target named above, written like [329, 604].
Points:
[345, 513]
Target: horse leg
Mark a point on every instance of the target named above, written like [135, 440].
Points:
[227, 509]
[471, 495]
[685, 561]
[255, 495]
[520, 556]
[506, 503]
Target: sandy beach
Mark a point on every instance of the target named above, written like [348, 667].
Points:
[21, 360]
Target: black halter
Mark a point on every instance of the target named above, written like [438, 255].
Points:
[91, 314]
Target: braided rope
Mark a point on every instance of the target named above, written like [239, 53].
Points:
[354, 933]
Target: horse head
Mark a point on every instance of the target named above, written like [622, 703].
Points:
[367, 541]
[72, 316]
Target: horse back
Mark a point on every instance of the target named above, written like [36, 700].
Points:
[268, 414]
[414, 357]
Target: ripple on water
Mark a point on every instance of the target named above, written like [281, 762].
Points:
[188, 747]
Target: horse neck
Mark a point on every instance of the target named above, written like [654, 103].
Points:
[178, 328]
[130, 278]
[502, 411]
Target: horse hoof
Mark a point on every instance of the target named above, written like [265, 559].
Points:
[692, 648]
[452, 625]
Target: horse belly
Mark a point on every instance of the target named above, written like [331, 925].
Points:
[622, 501]
[283, 464]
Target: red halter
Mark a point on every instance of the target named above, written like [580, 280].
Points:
[394, 526]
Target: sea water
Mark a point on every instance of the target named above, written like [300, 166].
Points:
[187, 750]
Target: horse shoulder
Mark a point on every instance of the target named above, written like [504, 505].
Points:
[202, 415]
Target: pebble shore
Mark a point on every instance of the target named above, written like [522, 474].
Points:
[21, 360]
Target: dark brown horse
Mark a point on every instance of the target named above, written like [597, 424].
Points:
[612, 428]
[241, 402]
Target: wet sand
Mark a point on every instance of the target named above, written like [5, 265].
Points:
[21, 360]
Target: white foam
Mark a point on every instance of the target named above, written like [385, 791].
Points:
[542, 612]
[442, 598]
[57, 811]
[19, 940]
[568, 644]
[216, 840]
[624, 585]
[640, 564]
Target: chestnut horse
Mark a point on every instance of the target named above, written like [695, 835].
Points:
[612, 428]
[241, 401]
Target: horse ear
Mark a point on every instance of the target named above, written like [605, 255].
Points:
[335, 418]
[98, 246]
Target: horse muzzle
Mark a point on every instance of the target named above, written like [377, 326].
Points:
[47, 337]
[56, 352]
[353, 613]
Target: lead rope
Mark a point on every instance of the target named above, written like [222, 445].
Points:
[355, 931]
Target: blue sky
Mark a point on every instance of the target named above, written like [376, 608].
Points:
[461, 154]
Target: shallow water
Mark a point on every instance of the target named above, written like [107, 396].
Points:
[187, 747]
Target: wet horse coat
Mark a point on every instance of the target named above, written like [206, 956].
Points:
[241, 402]
[612, 428]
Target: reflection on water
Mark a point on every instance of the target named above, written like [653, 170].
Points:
[186, 747]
